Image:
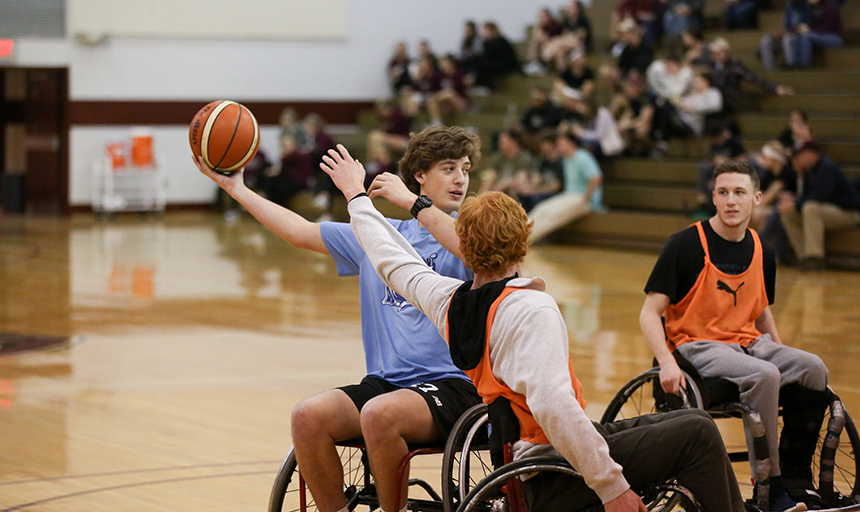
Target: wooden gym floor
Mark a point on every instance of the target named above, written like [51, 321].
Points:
[188, 340]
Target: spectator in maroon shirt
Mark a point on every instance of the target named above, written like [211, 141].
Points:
[640, 11]
[294, 174]
[393, 136]
[319, 142]
[452, 98]
[546, 28]
[398, 68]
[426, 81]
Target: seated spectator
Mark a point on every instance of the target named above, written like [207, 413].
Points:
[471, 47]
[398, 68]
[548, 179]
[452, 98]
[796, 15]
[499, 58]
[541, 115]
[289, 123]
[582, 193]
[669, 78]
[545, 28]
[641, 12]
[686, 116]
[319, 142]
[294, 175]
[740, 14]
[597, 130]
[633, 110]
[635, 56]
[396, 127]
[828, 202]
[426, 81]
[725, 145]
[422, 50]
[575, 78]
[507, 165]
[777, 176]
[379, 161]
[824, 30]
[797, 132]
[729, 72]
[575, 35]
[680, 16]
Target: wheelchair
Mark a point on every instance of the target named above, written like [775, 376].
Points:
[465, 461]
[835, 465]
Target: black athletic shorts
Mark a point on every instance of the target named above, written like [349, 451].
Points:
[447, 398]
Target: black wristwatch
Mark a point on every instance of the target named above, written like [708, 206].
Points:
[420, 203]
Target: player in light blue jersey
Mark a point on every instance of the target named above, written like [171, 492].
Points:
[412, 392]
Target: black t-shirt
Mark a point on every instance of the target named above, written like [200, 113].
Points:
[683, 259]
[576, 81]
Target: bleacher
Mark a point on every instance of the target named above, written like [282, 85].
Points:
[648, 199]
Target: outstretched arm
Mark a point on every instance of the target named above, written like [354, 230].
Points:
[396, 262]
[440, 224]
[285, 223]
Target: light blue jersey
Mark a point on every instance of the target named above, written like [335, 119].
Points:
[578, 171]
[401, 345]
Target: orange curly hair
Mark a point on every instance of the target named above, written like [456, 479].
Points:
[494, 232]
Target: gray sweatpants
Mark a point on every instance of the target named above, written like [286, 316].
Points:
[759, 371]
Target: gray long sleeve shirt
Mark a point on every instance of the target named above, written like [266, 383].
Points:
[528, 348]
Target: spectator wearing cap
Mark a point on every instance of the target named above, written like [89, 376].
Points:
[776, 176]
[729, 72]
[575, 78]
[634, 57]
[826, 201]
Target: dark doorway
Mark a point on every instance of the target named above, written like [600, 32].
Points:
[34, 154]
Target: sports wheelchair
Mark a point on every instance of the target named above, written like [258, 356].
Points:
[835, 466]
[468, 481]
[465, 460]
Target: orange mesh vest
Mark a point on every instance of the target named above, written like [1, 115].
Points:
[490, 389]
[719, 307]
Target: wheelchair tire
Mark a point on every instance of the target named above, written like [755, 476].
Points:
[488, 496]
[636, 398]
[461, 472]
[288, 495]
[847, 465]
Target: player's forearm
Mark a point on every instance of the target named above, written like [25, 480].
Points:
[441, 226]
[285, 223]
[651, 323]
[767, 325]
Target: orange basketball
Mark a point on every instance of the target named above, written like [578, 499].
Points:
[226, 135]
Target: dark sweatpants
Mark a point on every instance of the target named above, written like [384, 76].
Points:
[681, 445]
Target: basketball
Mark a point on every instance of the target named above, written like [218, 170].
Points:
[226, 135]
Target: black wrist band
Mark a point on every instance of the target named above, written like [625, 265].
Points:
[362, 194]
[421, 202]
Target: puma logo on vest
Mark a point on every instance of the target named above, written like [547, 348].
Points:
[728, 289]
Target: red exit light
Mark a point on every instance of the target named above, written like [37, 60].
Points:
[6, 47]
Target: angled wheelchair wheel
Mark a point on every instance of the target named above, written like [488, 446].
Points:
[494, 493]
[843, 491]
[643, 395]
[466, 460]
[290, 494]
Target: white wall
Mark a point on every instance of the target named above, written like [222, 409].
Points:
[194, 69]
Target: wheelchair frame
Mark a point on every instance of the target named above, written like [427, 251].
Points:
[290, 494]
[831, 458]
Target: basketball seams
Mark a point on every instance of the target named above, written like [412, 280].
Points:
[207, 130]
[253, 149]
